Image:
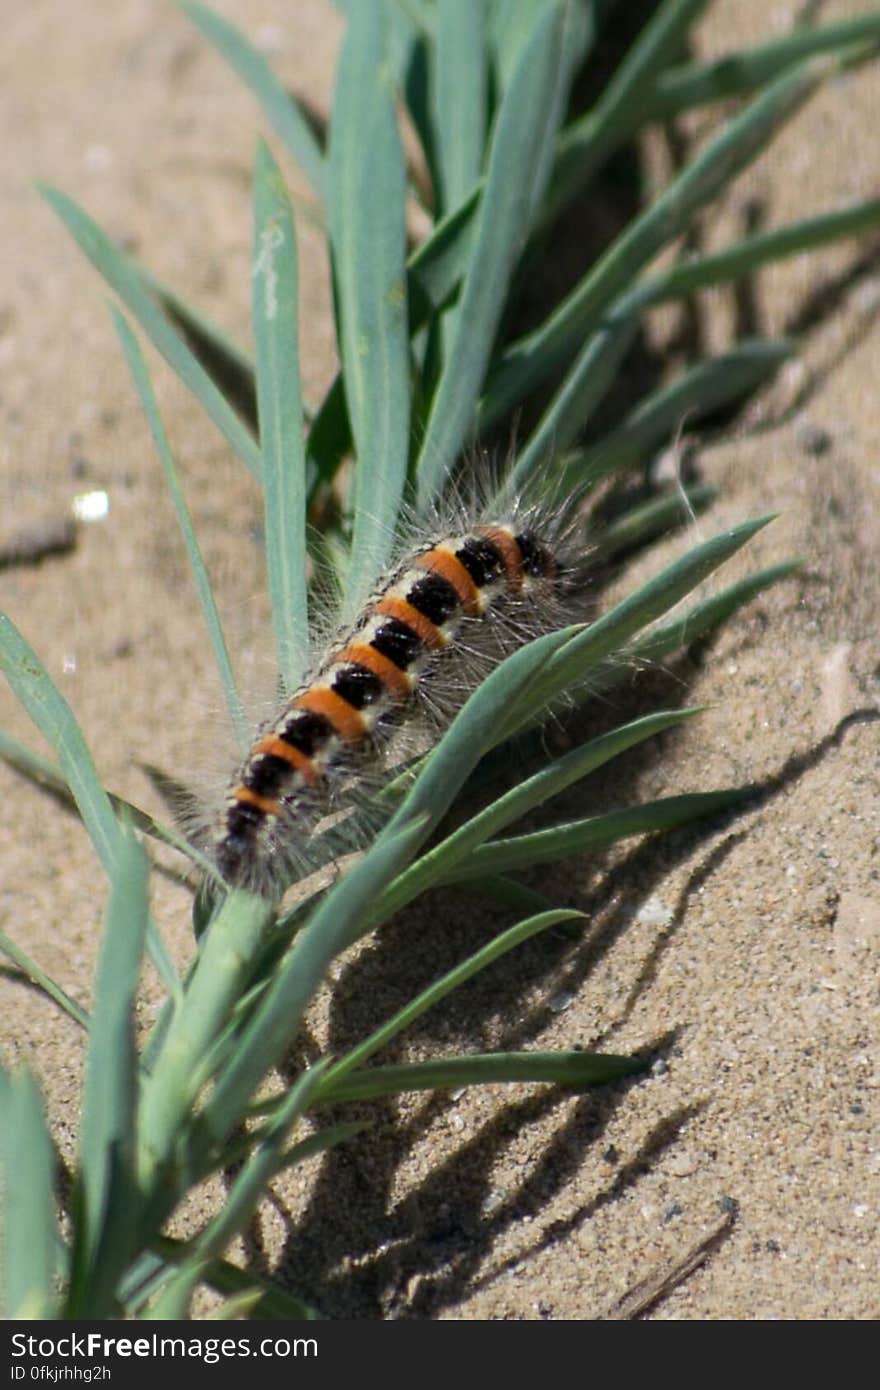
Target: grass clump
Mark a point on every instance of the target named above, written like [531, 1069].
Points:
[430, 362]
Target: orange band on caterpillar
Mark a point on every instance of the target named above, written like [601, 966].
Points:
[395, 680]
[449, 567]
[509, 551]
[404, 612]
[264, 804]
[347, 722]
[276, 747]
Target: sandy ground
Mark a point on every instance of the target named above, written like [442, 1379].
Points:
[747, 955]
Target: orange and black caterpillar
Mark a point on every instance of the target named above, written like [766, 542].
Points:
[503, 577]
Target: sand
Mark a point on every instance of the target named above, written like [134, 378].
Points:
[746, 954]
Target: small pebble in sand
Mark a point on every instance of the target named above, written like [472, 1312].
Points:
[654, 913]
[681, 1165]
[813, 440]
[561, 1001]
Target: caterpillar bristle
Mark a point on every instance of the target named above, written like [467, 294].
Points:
[451, 608]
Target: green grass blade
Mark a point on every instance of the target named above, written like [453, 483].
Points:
[743, 258]
[43, 981]
[280, 108]
[419, 12]
[411, 59]
[279, 405]
[320, 1141]
[227, 952]
[149, 404]
[644, 523]
[334, 926]
[594, 368]
[45, 775]
[557, 1068]
[54, 718]
[228, 364]
[242, 1200]
[596, 832]
[475, 728]
[329, 438]
[268, 1156]
[506, 893]
[517, 150]
[586, 145]
[273, 1302]
[556, 777]
[531, 359]
[586, 383]
[124, 278]
[367, 219]
[439, 863]
[437, 266]
[694, 84]
[580, 657]
[229, 1280]
[39, 770]
[107, 1198]
[435, 993]
[511, 24]
[434, 271]
[460, 98]
[697, 393]
[27, 1192]
[472, 733]
[705, 617]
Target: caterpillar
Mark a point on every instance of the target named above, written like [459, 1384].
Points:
[468, 597]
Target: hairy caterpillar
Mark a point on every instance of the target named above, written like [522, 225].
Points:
[459, 602]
